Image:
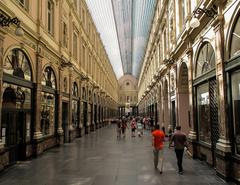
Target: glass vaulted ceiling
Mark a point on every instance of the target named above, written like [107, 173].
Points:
[143, 12]
[133, 20]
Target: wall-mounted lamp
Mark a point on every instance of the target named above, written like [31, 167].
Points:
[7, 21]
[194, 23]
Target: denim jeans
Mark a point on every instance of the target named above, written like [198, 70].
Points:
[179, 155]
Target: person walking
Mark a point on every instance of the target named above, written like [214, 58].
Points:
[158, 143]
[180, 141]
[119, 129]
[133, 126]
[124, 126]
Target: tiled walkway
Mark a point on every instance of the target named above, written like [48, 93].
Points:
[100, 159]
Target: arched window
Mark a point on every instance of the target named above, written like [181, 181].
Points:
[17, 64]
[205, 59]
[75, 89]
[49, 78]
[235, 46]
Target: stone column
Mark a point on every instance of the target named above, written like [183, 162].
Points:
[192, 133]
[70, 107]
[223, 145]
[60, 129]
[192, 136]
[37, 131]
[1, 84]
[169, 106]
[97, 124]
[79, 115]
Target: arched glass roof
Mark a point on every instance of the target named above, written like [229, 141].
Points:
[124, 25]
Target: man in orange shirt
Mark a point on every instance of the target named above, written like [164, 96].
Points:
[158, 143]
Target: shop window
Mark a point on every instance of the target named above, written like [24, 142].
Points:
[49, 78]
[16, 97]
[48, 103]
[235, 82]
[203, 108]
[17, 64]
[205, 59]
[74, 113]
[235, 46]
[47, 113]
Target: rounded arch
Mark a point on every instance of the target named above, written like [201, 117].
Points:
[17, 62]
[204, 58]
[49, 77]
[17, 46]
[233, 21]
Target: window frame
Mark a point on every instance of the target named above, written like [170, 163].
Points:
[24, 4]
[50, 17]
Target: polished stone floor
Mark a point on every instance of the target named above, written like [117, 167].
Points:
[100, 159]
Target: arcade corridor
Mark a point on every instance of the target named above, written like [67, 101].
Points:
[100, 159]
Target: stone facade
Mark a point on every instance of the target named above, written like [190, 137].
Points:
[187, 75]
[46, 75]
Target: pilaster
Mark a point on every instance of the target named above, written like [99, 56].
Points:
[1, 82]
[37, 131]
[60, 129]
[223, 146]
[223, 143]
[192, 134]
[70, 105]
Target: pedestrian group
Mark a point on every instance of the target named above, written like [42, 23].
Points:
[177, 139]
